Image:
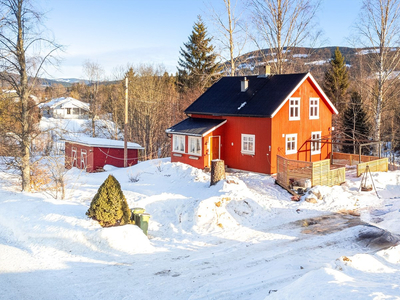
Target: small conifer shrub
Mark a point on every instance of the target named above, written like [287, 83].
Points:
[109, 206]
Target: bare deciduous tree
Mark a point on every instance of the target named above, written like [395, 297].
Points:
[94, 73]
[152, 99]
[282, 25]
[379, 29]
[232, 32]
[24, 51]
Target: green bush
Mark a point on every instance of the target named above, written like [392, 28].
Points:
[109, 206]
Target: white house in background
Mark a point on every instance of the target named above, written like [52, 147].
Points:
[12, 94]
[66, 108]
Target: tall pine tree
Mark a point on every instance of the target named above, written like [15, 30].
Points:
[336, 80]
[355, 123]
[198, 68]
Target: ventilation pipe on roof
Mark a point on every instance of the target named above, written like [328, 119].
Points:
[244, 84]
[264, 71]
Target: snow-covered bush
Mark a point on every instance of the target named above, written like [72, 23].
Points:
[109, 206]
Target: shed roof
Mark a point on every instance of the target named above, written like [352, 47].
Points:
[59, 101]
[195, 126]
[100, 142]
[263, 97]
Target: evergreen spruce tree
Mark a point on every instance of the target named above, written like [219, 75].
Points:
[336, 80]
[198, 67]
[355, 123]
[109, 206]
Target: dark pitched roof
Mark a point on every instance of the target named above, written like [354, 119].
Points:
[195, 126]
[262, 98]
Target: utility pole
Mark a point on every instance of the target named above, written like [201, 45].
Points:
[126, 125]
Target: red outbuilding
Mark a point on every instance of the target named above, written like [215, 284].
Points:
[92, 154]
[248, 121]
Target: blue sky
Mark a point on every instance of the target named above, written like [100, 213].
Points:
[115, 33]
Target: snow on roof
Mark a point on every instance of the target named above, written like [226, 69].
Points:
[100, 142]
[57, 101]
[9, 91]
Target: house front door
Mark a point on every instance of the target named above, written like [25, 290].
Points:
[215, 148]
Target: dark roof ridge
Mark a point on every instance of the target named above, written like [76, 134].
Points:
[263, 97]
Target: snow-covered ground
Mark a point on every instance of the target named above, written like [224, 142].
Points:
[240, 239]
[318, 62]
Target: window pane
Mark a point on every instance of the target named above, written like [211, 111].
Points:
[248, 143]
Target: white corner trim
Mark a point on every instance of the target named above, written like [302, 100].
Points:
[212, 129]
[323, 94]
[308, 75]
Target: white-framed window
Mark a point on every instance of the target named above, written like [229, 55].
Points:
[74, 157]
[294, 109]
[291, 143]
[314, 108]
[83, 159]
[316, 145]
[248, 143]
[68, 111]
[178, 143]
[194, 145]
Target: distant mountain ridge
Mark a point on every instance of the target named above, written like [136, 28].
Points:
[67, 82]
[300, 59]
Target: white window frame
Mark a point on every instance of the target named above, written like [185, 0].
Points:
[245, 141]
[287, 137]
[294, 103]
[312, 107]
[197, 141]
[176, 140]
[83, 159]
[315, 135]
[74, 157]
[68, 110]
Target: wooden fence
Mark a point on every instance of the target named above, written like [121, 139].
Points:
[378, 165]
[351, 159]
[292, 170]
[318, 172]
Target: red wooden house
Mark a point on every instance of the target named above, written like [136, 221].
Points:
[248, 121]
[92, 154]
